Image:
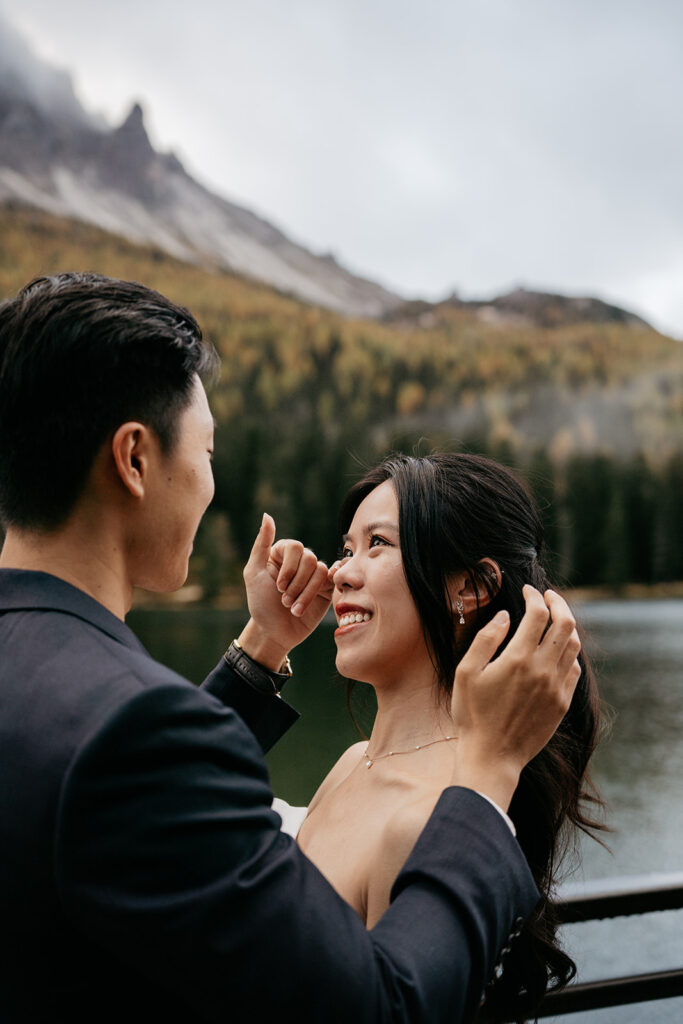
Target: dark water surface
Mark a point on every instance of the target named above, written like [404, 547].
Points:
[637, 649]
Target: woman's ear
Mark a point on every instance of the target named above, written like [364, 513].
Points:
[466, 596]
[130, 447]
[494, 573]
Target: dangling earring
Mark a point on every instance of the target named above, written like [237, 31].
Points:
[460, 608]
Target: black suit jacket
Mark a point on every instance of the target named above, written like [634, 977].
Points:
[143, 874]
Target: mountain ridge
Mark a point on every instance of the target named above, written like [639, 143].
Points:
[56, 156]
[519, 308]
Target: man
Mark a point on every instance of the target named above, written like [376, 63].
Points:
[144, 875]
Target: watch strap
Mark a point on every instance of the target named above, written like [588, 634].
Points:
[262, 679]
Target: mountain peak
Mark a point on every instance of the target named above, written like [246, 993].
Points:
[56, 156]
[132, 135]
[135, 122]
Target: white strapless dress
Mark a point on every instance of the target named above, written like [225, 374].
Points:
[291, 816]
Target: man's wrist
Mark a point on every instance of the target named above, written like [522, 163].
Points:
[494, 778]
[260, 647]
[263, 680]
[505, 816]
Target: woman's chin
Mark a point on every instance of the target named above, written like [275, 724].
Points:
[344, 665]
[352, 668]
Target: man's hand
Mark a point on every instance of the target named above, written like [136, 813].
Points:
[507, 710]
[288, 592]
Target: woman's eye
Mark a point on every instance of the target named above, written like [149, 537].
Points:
[345, 553]
[375, 540]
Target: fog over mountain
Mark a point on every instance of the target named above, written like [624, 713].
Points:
[26, 80]
[56, 156]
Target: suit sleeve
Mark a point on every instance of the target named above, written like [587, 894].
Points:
[169, 855]
[268, 717]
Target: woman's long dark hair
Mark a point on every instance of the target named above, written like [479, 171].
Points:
[455, 510]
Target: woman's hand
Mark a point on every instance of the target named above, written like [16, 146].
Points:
[506, 710]
[288, 592]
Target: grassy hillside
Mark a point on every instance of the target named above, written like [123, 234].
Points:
[306, 394]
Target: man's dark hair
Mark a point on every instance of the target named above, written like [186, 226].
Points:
[80, 354]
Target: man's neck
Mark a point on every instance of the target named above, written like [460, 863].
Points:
[78, 556]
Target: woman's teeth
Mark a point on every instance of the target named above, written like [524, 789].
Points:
[350, 617]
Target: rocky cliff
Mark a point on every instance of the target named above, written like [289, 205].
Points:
[56, 156]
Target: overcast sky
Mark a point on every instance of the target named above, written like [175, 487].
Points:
[433, 145]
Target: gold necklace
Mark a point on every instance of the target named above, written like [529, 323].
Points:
[369, 761]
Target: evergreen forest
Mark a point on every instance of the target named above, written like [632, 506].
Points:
[589, 414]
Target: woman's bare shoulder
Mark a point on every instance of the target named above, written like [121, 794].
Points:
[344, 766]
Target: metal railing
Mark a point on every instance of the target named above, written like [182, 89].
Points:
[619, 897]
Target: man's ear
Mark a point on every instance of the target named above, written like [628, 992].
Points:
[131, 448]
[466, 596]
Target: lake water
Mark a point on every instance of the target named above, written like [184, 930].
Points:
[637, 650]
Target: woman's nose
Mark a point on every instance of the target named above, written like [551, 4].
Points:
[347, 573]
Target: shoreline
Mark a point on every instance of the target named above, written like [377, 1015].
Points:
[233, 598]
[626, 592]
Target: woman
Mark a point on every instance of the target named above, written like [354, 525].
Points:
[433, 548]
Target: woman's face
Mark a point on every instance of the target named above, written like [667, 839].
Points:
[379, 636]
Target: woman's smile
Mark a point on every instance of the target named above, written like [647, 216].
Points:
[349, 616]
[371, 588]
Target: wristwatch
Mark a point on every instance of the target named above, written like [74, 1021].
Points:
[262, 679]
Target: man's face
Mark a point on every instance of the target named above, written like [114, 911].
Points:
[178, 491]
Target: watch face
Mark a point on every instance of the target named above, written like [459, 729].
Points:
[286, 667]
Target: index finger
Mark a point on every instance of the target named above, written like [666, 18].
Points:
[485, 644]
[562, 629]
[289, 553]
[562, 620]
[276, 557]
[534, 621]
